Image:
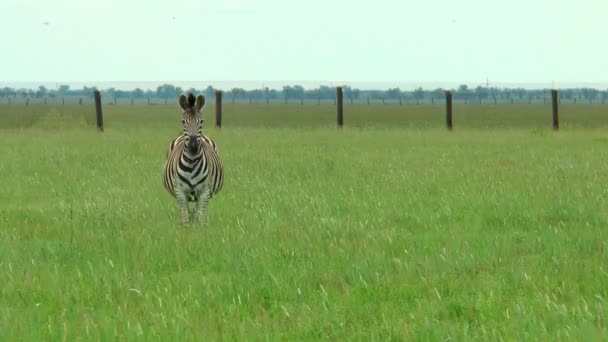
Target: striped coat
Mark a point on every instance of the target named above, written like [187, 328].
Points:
[193, 171]
[179, 168]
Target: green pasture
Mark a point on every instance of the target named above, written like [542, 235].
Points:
[392, 228]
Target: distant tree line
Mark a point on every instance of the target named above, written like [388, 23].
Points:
[297, 92]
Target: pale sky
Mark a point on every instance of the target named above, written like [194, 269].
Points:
[394, 41]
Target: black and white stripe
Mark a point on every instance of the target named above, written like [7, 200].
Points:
[193, 169]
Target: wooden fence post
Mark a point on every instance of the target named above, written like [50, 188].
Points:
[218, 108]
[555, 109]
[97, 96]
[340, 112]
[448, 109]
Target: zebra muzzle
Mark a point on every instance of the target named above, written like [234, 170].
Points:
[193, 146]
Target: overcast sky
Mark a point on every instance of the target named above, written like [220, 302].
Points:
[394, 41]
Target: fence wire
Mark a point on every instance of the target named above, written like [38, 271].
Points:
[484, 105]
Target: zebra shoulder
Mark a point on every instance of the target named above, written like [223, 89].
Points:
[210, 142]
[175, 142]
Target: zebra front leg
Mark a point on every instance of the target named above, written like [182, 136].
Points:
[201, 206]
[182, 203]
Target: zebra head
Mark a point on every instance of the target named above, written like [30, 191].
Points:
[192, 121]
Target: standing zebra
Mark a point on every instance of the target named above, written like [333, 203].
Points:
[193, 170]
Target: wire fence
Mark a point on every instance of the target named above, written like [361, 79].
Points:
[481, 106]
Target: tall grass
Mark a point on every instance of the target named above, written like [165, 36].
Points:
[390, 229]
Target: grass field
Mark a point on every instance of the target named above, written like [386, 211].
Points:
[390, 229]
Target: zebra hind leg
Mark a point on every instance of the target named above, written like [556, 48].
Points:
[201, 206]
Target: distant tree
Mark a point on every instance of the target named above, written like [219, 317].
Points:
[393, 93]
[567, 94]
[507, 93]
[438, 93]
[6, 91]
[298, 92]
[273, 94]
[138, 93]
[287, 92]
[88, 91]
[481, 92]
[256, 94]
[589, 93]
[63, 90]
[293, 92]
[494, 93]
[326, 92]
[111, 93]
[209, 92]
[238, 93]
[464, 92]
[418, 94]
[167, 91]
[22, 92]
[42, 91]
[122, 94]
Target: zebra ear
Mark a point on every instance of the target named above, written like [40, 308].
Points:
[200, 102]
[183, 102]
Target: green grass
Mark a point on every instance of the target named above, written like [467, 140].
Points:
[390, 229]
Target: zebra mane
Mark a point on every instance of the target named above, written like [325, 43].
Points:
[191, 100]
[189, 110]
[190, 107]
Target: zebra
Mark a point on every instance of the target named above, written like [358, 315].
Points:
[193, 171]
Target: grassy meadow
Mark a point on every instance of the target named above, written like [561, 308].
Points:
[392, 228]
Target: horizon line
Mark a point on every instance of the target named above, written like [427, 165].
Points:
[306, 84]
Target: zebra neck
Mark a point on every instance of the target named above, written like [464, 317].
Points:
[191, 158]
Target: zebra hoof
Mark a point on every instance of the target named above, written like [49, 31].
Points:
[202, 220]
